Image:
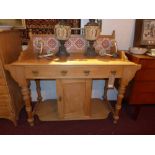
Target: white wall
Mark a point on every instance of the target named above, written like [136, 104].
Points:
[124, 29]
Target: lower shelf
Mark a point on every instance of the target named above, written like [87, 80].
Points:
[47, 111]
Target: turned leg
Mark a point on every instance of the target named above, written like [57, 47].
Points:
[128, 74]
[105, 90]
[39, 98]
[118, 105]
[38, 88]
[26, 96]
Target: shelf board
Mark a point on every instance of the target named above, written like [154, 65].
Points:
[48, 111]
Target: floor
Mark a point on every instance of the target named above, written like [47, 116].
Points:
[144, 125]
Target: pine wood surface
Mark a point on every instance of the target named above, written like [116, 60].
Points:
[73, 73]
[48, 111]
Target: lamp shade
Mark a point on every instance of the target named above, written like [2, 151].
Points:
[92, 30]
[62, 31]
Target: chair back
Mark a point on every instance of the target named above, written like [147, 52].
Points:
[106, 42]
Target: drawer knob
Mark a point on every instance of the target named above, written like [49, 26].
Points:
[86, 72]
[63, 73]
[113, 72]
[35, 73]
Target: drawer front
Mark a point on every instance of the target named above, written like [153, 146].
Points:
[72, 72]
[150, 63]
[142, 98]
[144, 87]
[145, 75]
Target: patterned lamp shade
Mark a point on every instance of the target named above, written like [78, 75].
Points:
[92, 30]
[62, 31]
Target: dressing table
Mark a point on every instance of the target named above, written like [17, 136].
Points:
[73, 75]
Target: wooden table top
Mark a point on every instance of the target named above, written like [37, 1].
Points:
[28, 58]
[141, 56]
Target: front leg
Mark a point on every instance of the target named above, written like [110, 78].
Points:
[26, 96]
[127, 76]
[118, 105]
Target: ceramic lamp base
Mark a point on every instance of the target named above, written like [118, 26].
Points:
[62, 50]
[90, 52]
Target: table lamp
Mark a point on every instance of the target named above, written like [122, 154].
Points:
[62, 32]
[91, 32]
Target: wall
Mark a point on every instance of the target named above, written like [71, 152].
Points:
[124, 29]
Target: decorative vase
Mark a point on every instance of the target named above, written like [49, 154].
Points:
[91, 32]
[62, 32]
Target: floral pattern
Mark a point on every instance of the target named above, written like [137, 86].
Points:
[50, 43]
[76, 43]
[103, 43]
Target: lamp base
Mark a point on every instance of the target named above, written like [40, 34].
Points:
[90, 52]
[62, 50]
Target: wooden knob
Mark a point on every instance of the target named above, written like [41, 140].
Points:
[35, 73]
[113, 72]
[86, 72]
[63, 73]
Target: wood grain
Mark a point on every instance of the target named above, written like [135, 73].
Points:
[10, 96]
[73, 76]
[141, 90]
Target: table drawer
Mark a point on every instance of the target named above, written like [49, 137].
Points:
[142, 98]
[148, 63]
[72, 72]
[145, 75]
[145, 86]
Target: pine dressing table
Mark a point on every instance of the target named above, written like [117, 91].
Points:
[73, 76]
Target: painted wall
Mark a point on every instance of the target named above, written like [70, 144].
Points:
[124, 29]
